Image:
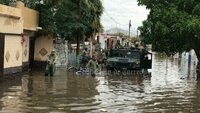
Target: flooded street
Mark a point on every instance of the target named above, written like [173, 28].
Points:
[168, 90]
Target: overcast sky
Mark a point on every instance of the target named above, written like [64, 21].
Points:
[117, 13]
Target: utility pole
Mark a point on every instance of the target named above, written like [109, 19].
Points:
[78, 32]
[78, 35]
[129, 44]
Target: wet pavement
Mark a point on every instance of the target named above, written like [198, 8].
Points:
[169, 89]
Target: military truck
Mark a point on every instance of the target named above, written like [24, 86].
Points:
[129, 59]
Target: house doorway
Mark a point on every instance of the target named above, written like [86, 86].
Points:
[2, 41]
[31, 52]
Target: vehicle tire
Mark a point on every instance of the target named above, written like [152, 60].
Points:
[112, 70]
[72, 69]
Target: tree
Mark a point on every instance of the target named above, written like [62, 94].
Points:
[47, 10]
[172, 25]
[78, 18]
[67, 18]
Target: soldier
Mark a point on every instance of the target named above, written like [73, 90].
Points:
[84, 58]
[51, 59]
[92, 65]
[118, 44]
[103, 57]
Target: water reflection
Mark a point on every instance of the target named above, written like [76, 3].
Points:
[65, 93]
[168, 90]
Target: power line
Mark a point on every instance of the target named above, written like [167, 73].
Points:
[122, 4]
[115, 20]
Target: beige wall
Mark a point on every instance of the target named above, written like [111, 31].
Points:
[10, 21]
[13, 47]
[10, 25]
[25, 49]
[43, 45]
[15, 22]
[29, 16]
[10, 11]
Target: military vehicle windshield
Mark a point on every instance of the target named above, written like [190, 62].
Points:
[125, 54]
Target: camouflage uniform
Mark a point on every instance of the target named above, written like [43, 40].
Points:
[51, 58]
[92, 65]
[83, 59]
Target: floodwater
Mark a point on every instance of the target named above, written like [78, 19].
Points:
[169, 89]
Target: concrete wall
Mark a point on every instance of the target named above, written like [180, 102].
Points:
[14, 23]
[25, 48]
[29, 16]
[11, 26]
[10, 21]
[188, 63]
[43, 47]
[12, 51]
[10, 11]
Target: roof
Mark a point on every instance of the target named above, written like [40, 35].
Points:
[126, 49]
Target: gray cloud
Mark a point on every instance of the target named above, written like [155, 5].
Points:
[117, 13]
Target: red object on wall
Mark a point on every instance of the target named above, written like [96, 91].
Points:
[110, 43]
[23, 39]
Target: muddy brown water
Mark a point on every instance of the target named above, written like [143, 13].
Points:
[167, 90]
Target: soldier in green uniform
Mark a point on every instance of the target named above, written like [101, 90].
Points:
[118, 44]
[92, 66]
[51, 58]
[83, 58]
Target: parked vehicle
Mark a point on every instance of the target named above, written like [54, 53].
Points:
[129, 59]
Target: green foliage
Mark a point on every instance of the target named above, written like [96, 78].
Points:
[62, 18]
[46, 19]
[7, 2]
[69, 22]
[47, 10]
[172, 25]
